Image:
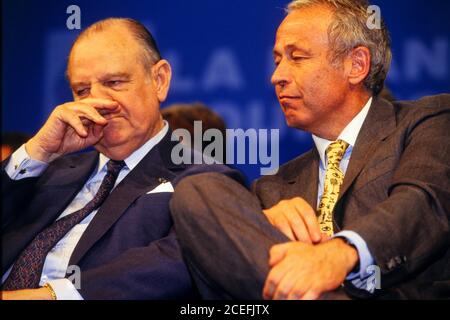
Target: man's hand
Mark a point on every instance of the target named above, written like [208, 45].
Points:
[71, 127]
[27, 294]
[297, 220]
[303, 271]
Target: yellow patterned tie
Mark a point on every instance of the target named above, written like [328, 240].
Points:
[333, 181]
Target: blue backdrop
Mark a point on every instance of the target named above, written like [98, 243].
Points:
[220, 52]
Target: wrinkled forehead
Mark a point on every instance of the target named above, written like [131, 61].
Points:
[103, 49]
[308, 24]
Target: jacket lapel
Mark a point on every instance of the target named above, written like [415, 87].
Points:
[379, 124]
[66, 184]
[305, 179]
[154, 168]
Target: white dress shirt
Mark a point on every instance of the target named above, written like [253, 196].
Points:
[349, 135]
[56, 263]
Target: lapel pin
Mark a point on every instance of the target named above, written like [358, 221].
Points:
[162, 180]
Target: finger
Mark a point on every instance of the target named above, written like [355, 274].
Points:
[273, 278]
[282, 224]
[298, 227]
[95, 134]
[90, 113]
[311, 295]
[99, 103]
[105, 109]
[73, 120]
[309, 217]
[81, 110]
[286, 283]
[277, 253]
[325, 237]
[298, 290]
[97, 131]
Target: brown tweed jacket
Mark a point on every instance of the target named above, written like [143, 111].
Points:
[396, 194]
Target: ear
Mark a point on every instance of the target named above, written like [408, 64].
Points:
[161, 75]
[360, 65]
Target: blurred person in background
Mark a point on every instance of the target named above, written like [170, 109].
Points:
[11, 141]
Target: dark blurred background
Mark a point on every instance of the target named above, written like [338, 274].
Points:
[220, 52]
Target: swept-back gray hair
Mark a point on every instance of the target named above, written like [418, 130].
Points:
[349, 30]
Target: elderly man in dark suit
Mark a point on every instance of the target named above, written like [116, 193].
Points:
[365, 213]
[99, 218]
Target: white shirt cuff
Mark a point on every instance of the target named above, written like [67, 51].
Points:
[20, 165]
[64, 289]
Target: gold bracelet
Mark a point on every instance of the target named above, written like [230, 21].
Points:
[52, 292]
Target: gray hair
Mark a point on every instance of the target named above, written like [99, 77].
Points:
[150, 52]
[349, 30]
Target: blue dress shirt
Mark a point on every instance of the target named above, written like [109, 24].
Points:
[349, 135]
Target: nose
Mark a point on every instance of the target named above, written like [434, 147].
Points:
[98, 90]
[281, 75]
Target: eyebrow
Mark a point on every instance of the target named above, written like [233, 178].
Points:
[107, 76]
[122, 75]
[292, 47]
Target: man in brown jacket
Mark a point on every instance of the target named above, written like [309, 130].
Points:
[365, 213]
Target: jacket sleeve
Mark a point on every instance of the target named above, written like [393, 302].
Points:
[16, 196]
[410, 229]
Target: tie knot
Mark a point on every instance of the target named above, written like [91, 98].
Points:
[335, 151]
[114, 166]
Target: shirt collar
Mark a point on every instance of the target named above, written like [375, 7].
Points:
[349, 134]
[133, 159]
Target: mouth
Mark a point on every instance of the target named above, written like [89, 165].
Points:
[111, 116]
[109, 112]
[288, 102]
[288, 97]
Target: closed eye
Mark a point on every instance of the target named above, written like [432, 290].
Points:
[82, 92]
[113, 83]
[299, 58]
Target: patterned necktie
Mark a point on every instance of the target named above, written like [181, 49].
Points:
[333, 181]
[26, 272]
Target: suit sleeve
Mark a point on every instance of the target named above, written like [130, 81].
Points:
[153, 272]
[410, 229]
[19, 176]
[16, 196]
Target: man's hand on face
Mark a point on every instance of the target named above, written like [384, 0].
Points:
[297, 220]
[71, 127]
[304, 271]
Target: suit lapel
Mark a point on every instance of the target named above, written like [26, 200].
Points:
[66, 184]
[379, 124]
[305, 179]
[154, 168]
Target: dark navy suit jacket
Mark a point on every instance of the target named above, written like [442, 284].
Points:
[129, 250]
